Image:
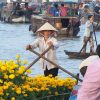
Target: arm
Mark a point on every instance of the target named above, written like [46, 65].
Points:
[54, 43]
[95, 24]
[88, 24]
[33, 45]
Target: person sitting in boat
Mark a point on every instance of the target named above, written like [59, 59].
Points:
[90, 89]
[88, 35]
[83, 66]
[46, 31]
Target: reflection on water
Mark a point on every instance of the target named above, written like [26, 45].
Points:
[15, 37]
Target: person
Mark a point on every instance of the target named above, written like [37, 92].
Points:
[88, 35]
[63, 10]
[46, 31]
[63, 13]
[97, 8]
[54, 10]
[90, 89]
[80, 10]
[85, 63]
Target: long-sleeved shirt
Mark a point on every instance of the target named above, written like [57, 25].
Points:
[90, 89]
[51, 54]
[89, 27]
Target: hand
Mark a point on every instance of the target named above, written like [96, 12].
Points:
[28, 47]
[50, 43]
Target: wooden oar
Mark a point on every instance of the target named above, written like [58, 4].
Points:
[37, 58]
[94, 32]
[81, 49]
[95, 38]
[57, 66]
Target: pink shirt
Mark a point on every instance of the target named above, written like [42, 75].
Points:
[90, 89]
[63, 11]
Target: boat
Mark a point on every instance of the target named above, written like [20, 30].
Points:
[22, 19]
[71, 29]
[16, 13]
[74, 92]
[77, 55]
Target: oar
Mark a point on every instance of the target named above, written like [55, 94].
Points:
[94, 32]
[95, 38]
[57, 66]
[81, 49]
[37, 59]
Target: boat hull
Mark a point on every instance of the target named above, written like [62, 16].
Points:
[77, 55]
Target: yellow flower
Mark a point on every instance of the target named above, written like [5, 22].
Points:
[18, 90]
[17, 56]
[50, 75]
[25, 62]
[70, 87]
[25, 95]
[5, 87]
[20, 71]
[30, 89]
[6, 76]
[3, 68]
[11, 76]
[28, 71]
[1, 98]
[56, 93]
[19, 61]
[1, 92]
[1, 81]
[13, 98]
[11, 71]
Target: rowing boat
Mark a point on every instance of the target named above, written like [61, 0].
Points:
[77, 55]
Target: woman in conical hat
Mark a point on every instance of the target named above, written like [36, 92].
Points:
[47, 27]
[43, 43]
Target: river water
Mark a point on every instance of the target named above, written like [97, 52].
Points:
[15, 37]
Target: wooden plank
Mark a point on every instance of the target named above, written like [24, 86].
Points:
[59, 17]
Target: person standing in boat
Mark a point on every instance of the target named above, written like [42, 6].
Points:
[88, 35]
[46, 31]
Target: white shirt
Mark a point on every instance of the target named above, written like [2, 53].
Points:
[89, 28]
[89, 60]
[51, 54]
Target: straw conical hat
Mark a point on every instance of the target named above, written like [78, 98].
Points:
[46, 26]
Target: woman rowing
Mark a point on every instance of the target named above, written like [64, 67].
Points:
[46, 31]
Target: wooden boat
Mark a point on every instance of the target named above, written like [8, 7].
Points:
[18, 15]
[70, 31]
[19, 20]
[76, 55]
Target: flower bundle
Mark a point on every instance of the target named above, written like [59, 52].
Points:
[14, 85]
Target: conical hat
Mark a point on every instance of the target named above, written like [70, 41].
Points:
[47, 26]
